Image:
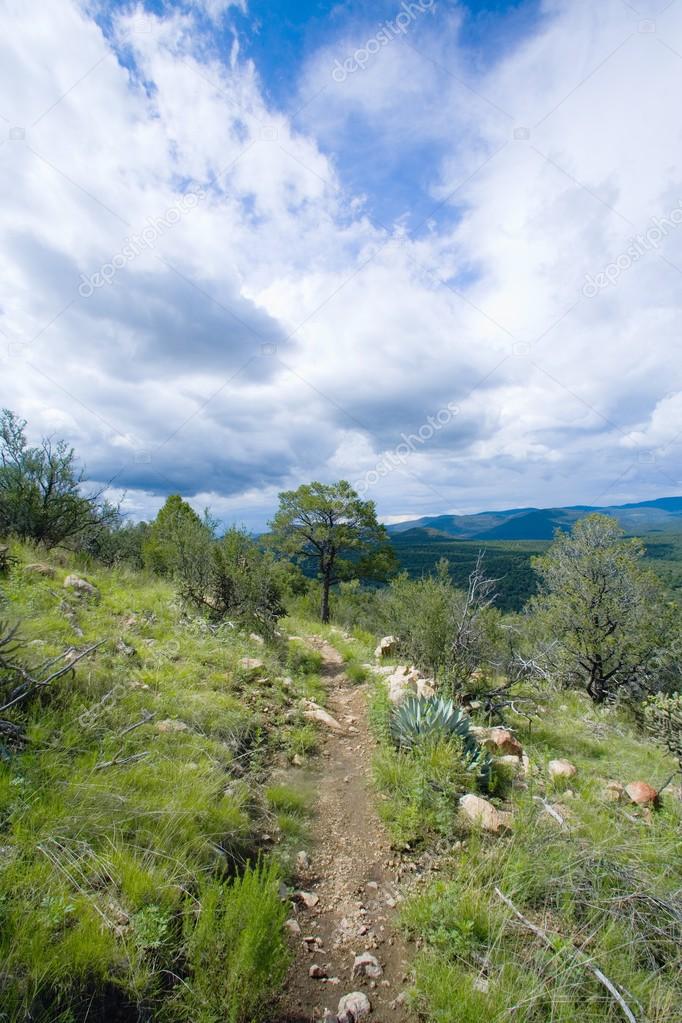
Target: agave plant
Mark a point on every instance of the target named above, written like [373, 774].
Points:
[419, 718]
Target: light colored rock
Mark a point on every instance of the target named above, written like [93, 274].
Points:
[484, 814]
[255, 638]
[293, 926]
[170, 725]
[302, 860]
[366, 965]
[314, 712]
[501, 740]
[515, 764]
[82, 586]
[317, 972]
[401, 684]
[251, 666]
[309, 899]
[642, 793]
[387, 646]
[482, 984]
[40, 568]
[425, 689]
[614, 791]
[353, 1007]
[297, 760]
[561, 769]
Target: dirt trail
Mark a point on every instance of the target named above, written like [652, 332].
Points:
[352, 870]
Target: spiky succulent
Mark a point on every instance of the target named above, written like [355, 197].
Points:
[420, 718]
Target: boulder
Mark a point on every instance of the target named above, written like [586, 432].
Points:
[40, 568]
[400, 684]
[367, 965]
[561, 769]
[484, 814]
[501, 741]
[81, 586]
[353, 1007]
[642, 793]
[387, 647]
[314, 712]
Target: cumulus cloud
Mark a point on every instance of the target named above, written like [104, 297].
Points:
[419, 233]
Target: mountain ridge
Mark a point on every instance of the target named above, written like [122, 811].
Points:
[660, 514]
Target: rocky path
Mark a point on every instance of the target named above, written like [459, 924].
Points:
[344, 913]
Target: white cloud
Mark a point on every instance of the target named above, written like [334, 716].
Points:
[161, 379]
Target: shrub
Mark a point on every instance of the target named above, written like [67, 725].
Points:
[663, 717]
[419, 719]
[41, 495]
[236, 950]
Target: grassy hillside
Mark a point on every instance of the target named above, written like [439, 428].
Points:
[601, 878]
[145, 789]
[419, 550]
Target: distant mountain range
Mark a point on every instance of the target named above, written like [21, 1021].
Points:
[662, 515]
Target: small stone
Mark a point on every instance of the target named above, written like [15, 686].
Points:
[353, 1007]
[251, 666]
[561, 769]
[614, 791]
[297, 760]
[501, 740]
[317, 972]
[387, 646]
[309, 899]
[481, 984]
[302, 860]
[171, 725]
[314, 712]
[293, 926]
[81, 586]
[366, 965]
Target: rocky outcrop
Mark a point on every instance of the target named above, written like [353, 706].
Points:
[404, 681]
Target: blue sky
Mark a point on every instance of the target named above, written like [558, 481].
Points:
[432, 248]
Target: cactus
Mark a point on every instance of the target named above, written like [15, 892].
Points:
[419, 718]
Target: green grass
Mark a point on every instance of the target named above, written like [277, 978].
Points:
[605, 887]
[114, 881]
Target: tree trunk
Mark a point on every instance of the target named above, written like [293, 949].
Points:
[326, 585]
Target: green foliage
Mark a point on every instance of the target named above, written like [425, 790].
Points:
[421, 789]
[445, 631]
[236, 951]
[663, 717]
[41, 495]
[421, 719]
[606, 617]
[303, 659]
[178, 542]
[100, 864]
[328, 527]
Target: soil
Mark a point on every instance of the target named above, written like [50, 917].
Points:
[352, 870]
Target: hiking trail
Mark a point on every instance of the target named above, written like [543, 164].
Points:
[351, 870]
